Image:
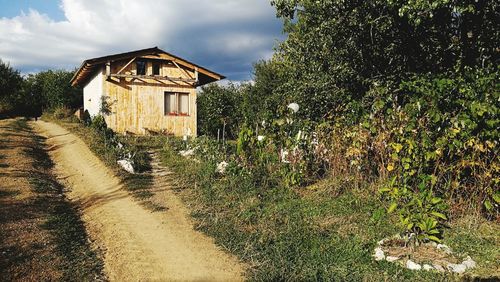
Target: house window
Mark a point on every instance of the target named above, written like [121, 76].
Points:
[156, 68]
[176, 104]
[141, 67]
[183, 103]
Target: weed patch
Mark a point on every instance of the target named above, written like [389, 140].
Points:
[326, 231]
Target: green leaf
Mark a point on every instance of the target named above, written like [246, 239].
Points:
[436, 200]
[440, 215]
[488, 205]
[434, 238]
[496, 197]
[433, 231]
[384, 190]
[433, 223]
[392, 207]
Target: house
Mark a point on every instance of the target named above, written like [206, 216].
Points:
[143, 91]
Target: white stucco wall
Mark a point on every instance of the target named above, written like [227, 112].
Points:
[92, 93]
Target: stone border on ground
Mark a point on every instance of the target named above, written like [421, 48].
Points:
[459, 268]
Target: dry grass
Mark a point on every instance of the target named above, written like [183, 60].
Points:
[41, 235]
[424, 253]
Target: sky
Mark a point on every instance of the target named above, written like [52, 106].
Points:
[226, 36]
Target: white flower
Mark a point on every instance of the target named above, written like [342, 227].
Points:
[284, 156]
[315, 140]
[221, 167]
[379, 254]
[294, 107]
[261, 138]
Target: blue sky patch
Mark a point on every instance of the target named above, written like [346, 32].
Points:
[12, 8]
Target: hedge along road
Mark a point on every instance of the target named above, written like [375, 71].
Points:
[137, 244]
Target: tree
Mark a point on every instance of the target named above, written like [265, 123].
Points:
[52, 89]
[10, 88]
[262, 100]
[337, 50]
[218, 110]
[34, 93]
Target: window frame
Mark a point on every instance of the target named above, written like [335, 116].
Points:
[158, 64]
[177, 104]
[137, 67]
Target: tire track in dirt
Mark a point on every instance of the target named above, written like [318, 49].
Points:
[138, 244]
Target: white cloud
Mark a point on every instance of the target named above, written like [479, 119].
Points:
[236, 31]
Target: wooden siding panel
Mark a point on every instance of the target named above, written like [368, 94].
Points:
[137, 105]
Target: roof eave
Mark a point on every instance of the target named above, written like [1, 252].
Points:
[75, 80]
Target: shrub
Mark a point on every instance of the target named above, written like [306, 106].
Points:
[105, 108]
[99, 123]
[421, 213]
[63, 112]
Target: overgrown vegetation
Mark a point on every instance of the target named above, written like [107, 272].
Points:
[403, 93]
[325, 231]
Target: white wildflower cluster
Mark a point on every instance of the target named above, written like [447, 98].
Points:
[221, 167]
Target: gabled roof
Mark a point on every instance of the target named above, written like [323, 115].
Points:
[89, 66]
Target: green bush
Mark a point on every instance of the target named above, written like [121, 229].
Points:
[99, 123]
[421, 214]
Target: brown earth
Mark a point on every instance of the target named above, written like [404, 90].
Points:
[27, 251]
[137, 244]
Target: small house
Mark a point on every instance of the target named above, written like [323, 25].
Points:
[143, 91]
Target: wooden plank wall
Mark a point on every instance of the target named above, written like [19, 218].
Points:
[138, 104]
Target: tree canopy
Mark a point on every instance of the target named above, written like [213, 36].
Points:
[337, 50]
[10, 88]
[34, 93]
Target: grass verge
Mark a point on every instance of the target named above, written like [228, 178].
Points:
[326, 231]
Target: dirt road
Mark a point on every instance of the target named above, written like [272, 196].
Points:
[138, 244]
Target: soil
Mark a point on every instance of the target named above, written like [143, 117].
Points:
[26, 249]
[138, 244]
